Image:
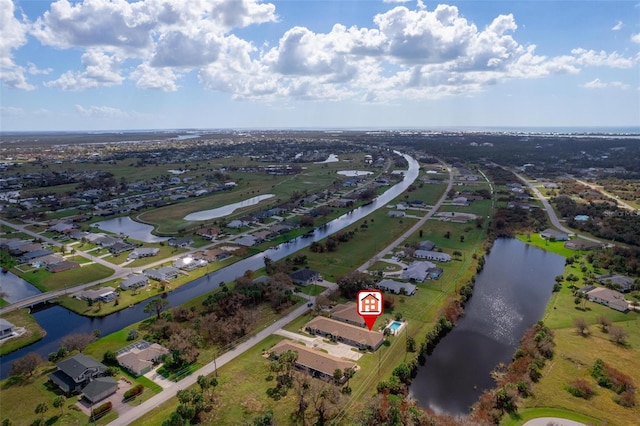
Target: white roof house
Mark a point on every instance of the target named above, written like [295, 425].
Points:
[417, 271]
[432, 255]
[397, 287]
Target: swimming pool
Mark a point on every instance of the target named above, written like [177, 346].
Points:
[395, 326]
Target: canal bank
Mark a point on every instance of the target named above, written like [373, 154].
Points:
[510, 295]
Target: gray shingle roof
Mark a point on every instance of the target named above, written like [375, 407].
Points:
[77, 364]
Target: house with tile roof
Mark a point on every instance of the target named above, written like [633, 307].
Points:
[342, 332]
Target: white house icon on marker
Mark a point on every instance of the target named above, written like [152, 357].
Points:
[369, 303]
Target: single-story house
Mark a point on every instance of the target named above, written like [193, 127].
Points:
[6, 328]
[50, 259]
[208, 233]
[316, 363]
[188, 263]
[29, 256]
[141, 357]
[552, 234]
[246, 240]
[134, 281]
[180, 242]
[74, 373]
[349, 334]
[417, 271]
[99, 388]
[106, 241]
[121, 247]
[580, 244]
[141, 252]
[620, 282]
[105, 294]
[426, 245]
[236, 224]
[215, 254]
[608, 297]
[432, 255]
[304, 277]
[348, 313]
[164, 273]
[397, 287]
[25, 248]
[65, 265]
[62, 227]
[460, 201]
[396, 213]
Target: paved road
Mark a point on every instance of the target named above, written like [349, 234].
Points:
[413, 229]
[169, 392]
[551, 213]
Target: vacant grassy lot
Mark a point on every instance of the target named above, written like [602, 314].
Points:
[21, 318]
[44, 280]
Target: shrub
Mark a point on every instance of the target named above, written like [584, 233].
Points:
[101, 410]
[581, 389]
[133, 334]
[134, 391]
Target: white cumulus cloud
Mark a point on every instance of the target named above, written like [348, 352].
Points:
[598, 84]
[100, 69]
[635, 38]
[13, 35]
[618, 26]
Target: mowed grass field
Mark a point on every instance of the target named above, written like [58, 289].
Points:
[313, 178]
[44, 280]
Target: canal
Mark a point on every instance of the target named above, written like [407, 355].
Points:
[510, 295]
[59, 322]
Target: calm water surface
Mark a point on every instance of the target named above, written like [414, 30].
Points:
[226, 210]
[510, 296]
[15, 288]
[131, 228]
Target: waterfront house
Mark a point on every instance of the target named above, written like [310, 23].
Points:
[608, 297]
[134, 281]
[6, 328]
[552, 234]
[164, 273]
[313, 361]
[74, 373]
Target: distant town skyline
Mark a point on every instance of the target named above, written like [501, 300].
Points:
[167, 64]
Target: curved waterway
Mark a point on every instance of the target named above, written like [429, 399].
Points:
[59, 322]
[510, 295]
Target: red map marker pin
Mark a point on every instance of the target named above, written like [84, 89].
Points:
[370, 304]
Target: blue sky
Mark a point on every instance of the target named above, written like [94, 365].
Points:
[154, 64]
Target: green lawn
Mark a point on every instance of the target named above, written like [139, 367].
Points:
[311, 290]
[48, 281]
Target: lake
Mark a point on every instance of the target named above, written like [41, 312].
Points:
[226, 210]
[131, 228]
[510, 295]
[353, 173]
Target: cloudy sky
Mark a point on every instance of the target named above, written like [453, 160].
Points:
[155, 64]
